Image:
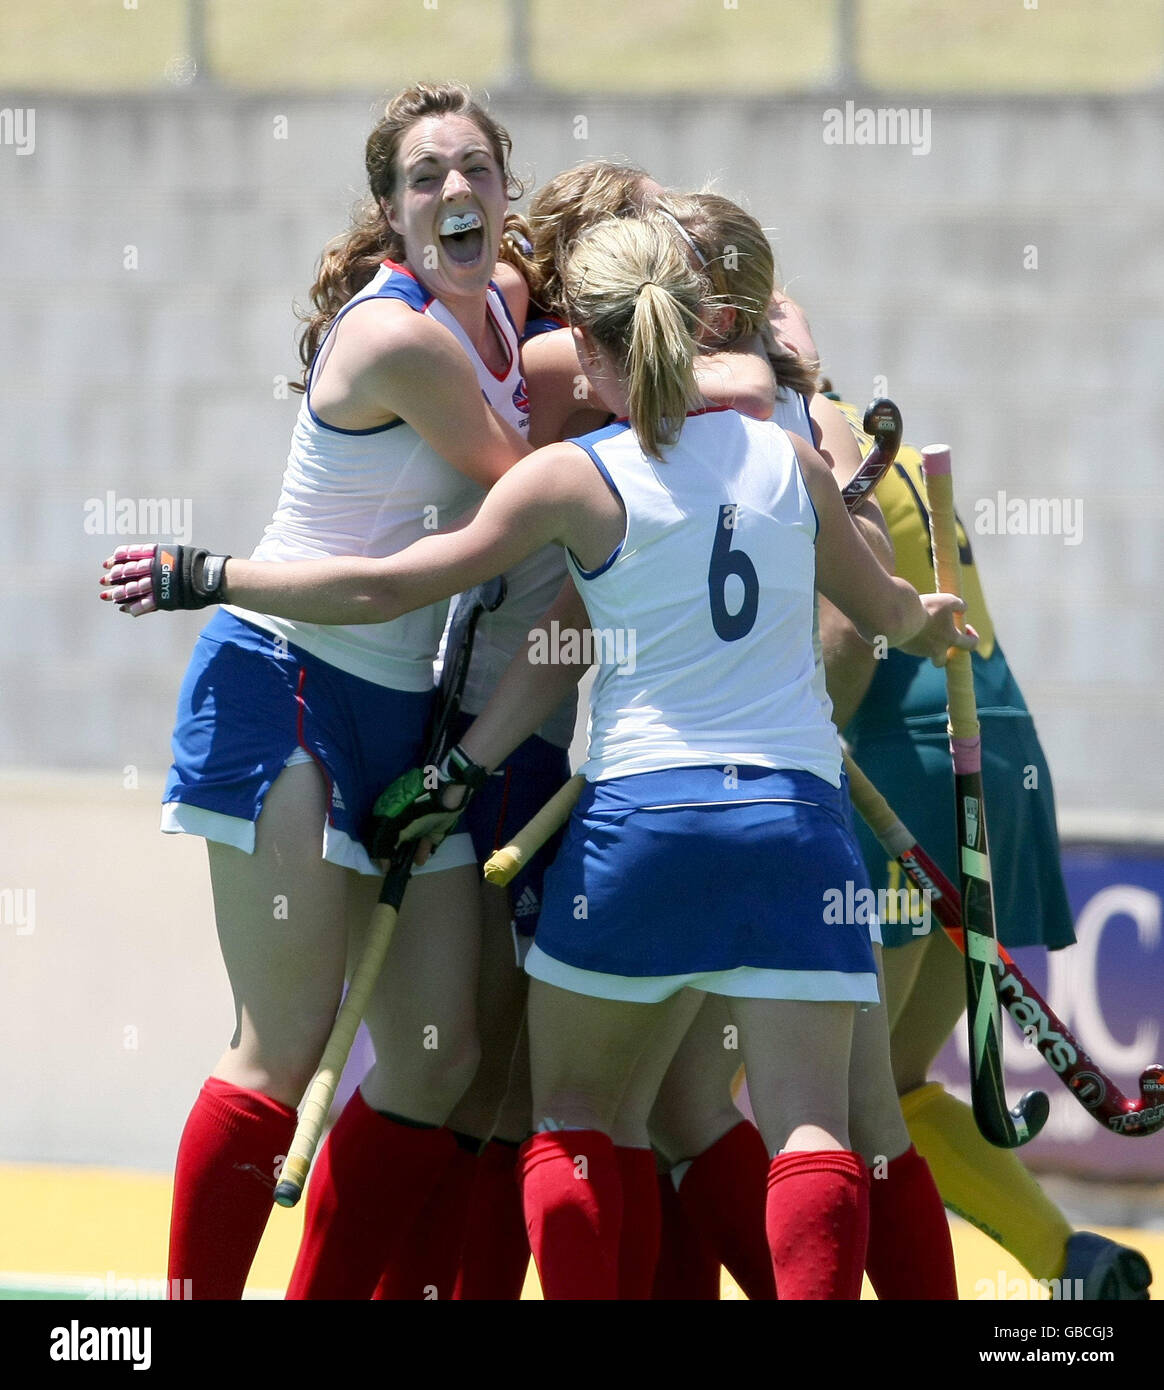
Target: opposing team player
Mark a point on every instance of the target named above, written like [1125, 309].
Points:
[893, 714]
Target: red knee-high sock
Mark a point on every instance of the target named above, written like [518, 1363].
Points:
[495, 1253]
[424, 1264]
[224, 1184]
[818, 1223]
[638, 1248]
[687, 1268]
[910, 1253]
[723, 1195]
[572, 1196]
[372, 1179]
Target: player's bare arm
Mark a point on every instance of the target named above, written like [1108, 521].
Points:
[555, 495]
[561, 403]
[529, 692]
[849, 575]
[390, 363]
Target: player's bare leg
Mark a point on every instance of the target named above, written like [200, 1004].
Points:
[817, 1219]
[875, 1123]
[910, 1253]
[642, 1214]
[584, 1052]
[477, 1216]
[495, 1249]
[717, 1161]
[389, 1152]
[281, 928]
[502, 987]
[693, 1107]
[631, 1124]
[282, 939]
[803, 1106]
[423, 1014]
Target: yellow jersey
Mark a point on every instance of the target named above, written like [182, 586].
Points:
[901, 495]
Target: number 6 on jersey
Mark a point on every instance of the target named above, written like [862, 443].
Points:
[725, 562]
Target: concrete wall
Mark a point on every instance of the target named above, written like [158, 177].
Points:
[159, 382]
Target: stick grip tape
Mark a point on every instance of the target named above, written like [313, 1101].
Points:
[502, 866]
[948, 572]
[876, 812]
[321, 1093]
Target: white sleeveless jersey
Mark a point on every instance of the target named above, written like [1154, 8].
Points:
[373, 492]
[531, 587]
[705, 615]
[791, 414]
[534, 584]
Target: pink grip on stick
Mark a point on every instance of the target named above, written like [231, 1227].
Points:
[936, 460]
[967, 754]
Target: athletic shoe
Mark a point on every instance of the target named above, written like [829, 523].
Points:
[1108, 1273]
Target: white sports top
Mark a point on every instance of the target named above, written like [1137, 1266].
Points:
[372, 492]
[706, 613]
[531, 587]
[534, 584]
[791, 414]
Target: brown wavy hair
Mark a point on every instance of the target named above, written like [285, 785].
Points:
[350, 260]
[567, 204]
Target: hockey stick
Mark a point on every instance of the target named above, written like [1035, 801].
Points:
[1007, 1129]
[321, 1092]
[1053, 1040]
[882, 420]
[504, 864]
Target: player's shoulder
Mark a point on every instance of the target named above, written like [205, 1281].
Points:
[773, 440]
[385, 331]
[612, 430]
[556, 473]
[548, 347]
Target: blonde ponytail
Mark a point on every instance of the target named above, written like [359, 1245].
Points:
[659, 368]
[630, 284]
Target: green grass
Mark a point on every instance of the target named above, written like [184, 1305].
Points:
[601, 45]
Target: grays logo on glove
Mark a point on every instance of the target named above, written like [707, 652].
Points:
[185, 576]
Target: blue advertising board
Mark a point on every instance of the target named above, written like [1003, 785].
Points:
[1108, 989]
